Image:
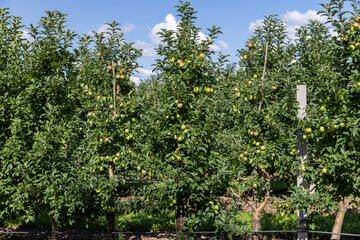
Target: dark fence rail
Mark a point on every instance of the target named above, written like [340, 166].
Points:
[159, 233]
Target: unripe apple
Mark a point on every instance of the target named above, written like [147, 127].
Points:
[256, 133]
[324, 170]
[304, 136]
[257, 144]
[322, 129]
[308, 130]
[351, 144]
[143, 171]
[216, 207]
[342, 124]
[180, 105]
[127, 130]
[302, 168]
[172, 59]
[322, 108]
[196, 89]
[238, 94]
[183, 127]
[255, 76]
[273, 87]
[255, 185]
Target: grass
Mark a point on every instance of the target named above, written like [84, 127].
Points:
[143, 222]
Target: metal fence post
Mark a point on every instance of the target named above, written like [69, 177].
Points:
[302, 233]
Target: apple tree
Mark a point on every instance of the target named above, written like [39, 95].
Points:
[110, 115]
[181, 127]
[329, 65]
[37, 86]
[262, 117]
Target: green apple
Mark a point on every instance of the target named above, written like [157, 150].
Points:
[302, 168]
[324, 170]
[196, 89]
[308, 130]
[322, 129]
[322, 108]
[183, 127]
[351, 144]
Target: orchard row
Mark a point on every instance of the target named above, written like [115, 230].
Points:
[75, 131]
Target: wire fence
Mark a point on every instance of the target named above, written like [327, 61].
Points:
[156, 234]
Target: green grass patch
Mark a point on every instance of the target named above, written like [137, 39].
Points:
[144, 222]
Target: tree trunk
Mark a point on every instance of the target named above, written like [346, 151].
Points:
[111, 172]
[180, 221]
[54, 225]
[110, 217]
[339, 220]
[256, 226]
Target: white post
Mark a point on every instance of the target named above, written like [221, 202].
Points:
[301, 151]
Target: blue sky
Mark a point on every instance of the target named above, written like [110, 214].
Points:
[140, 19]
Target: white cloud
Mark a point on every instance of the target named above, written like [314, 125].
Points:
[297, 18]
[136, 80]
[293, 20]
[215, 48]
[128, 28]
[124, 29]
[223, 45]
[148, 48]
[169, 24]
[291, 31]
[26, 35]
[254, 25]
[142, 73]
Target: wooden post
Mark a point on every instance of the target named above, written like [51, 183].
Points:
[301, 151]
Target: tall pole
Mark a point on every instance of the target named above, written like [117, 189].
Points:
[301, 151]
